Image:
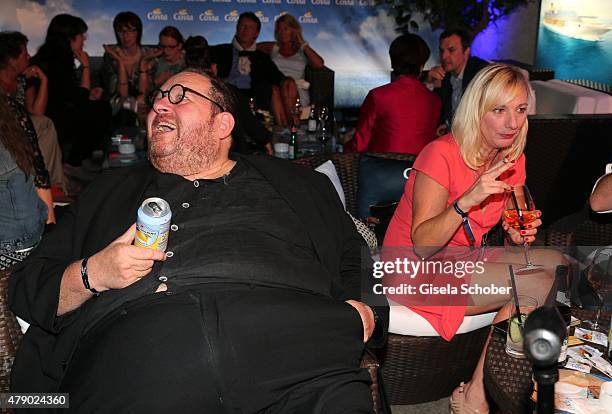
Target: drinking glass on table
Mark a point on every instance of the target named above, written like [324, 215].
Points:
[599, 280]
[520, 212]
[514, 336]
[324, 133]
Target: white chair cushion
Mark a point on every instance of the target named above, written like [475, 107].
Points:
[404, 321]
[328, 168]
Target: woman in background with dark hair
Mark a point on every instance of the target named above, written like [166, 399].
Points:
[198, 56]
[122, 62]
[154, 73]
[24, 182]
[81, 120]
[402, 115]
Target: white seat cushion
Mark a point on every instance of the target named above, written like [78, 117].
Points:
[404, 321]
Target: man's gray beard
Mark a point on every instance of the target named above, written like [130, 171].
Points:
[196, 153]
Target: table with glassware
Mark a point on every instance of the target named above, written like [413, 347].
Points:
[308, 142]
[508, 380]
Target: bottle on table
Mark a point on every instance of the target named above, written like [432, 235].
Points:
[312, 120]
[252, 106]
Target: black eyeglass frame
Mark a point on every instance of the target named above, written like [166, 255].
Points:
[184, 89]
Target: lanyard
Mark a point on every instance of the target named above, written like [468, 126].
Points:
[465, 223]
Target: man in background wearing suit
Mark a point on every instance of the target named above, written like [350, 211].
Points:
[457, 69]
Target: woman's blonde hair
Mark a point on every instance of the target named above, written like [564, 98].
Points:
[493, 86]
[290, 21]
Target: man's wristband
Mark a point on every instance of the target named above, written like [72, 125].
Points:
[85, 277]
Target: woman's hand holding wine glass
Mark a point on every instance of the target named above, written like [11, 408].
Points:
[521, 220]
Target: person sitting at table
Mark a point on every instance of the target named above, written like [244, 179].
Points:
[25, 196]
[221, 321]
[291, 53]
[401, 116]
[601, 196]
[122, 65]
[27, 85]
[198, 56]
[250, 70]
[456, 70]
[154, 72]
[457, 191]
[82, 120]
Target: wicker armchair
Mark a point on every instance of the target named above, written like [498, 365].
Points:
[10, 334]
[414, 369]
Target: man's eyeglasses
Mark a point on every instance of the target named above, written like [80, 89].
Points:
[176, 93]
[168, 46]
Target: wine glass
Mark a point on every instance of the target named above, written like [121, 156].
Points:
[599, 280]
[296, 113]
[324, 133]
[520, 212]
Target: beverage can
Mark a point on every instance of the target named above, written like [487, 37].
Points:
[153, 224]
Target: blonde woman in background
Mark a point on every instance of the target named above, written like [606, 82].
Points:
[291, 53]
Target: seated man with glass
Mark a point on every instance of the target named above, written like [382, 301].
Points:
[254, 306]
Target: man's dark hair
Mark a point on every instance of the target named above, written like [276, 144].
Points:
[408, 55]
[197, 53]
[251, 16]
[219, 92]
[466, 39]
[128, 19]
[11, 45]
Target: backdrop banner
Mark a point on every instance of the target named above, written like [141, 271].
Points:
[353, 36]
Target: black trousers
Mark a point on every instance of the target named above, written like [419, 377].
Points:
[234, 350]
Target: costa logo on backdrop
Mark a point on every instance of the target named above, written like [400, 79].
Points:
[345, 2]
[183, 16]
[308, 18]
[320, 2]
[157, 15]
[279, 15]
[367, 3]
[231, 16]
[262, 17]
[271, 1]
[208, 16]
[296, 1]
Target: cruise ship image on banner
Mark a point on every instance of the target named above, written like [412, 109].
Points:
[569, 24]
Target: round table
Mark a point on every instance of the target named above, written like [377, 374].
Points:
[508, 380]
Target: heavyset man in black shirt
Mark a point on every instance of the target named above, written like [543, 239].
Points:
[253, 308]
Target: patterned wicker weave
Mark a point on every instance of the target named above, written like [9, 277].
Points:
[10, 334]
[564, 158]
[347, 167]
[420, 369]
[508, 380]
[584, 228]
